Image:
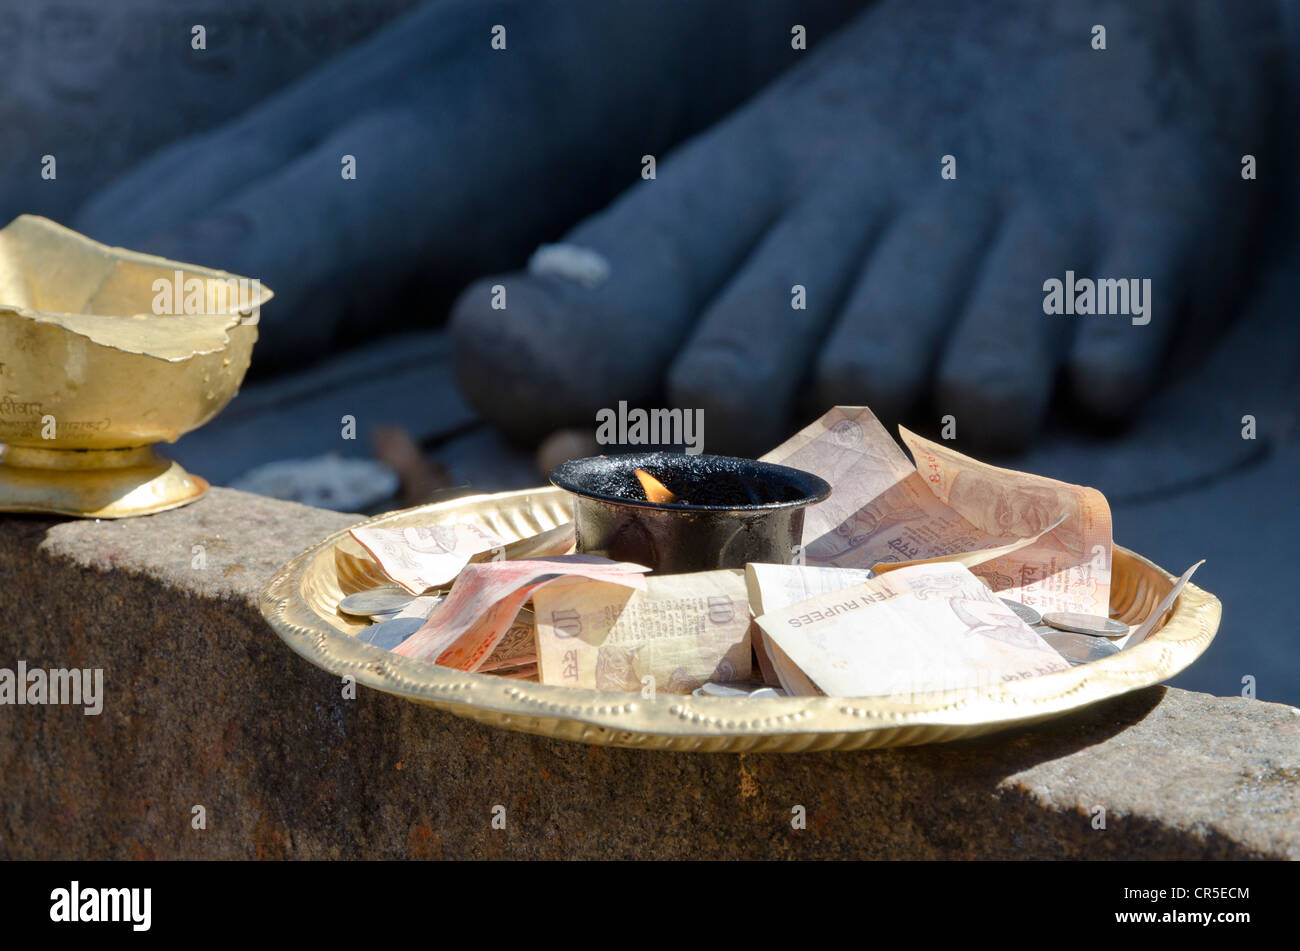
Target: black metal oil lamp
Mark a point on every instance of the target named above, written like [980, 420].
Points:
[678, 513]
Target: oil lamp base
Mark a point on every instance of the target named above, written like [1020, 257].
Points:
[93, 483]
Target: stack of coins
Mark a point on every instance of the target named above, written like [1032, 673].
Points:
[382, 602]
[1079, 638]
[396, 612]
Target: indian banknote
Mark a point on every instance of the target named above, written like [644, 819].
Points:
[518, 646]
[554, 541]
[681, 630]
[432, 555]
[464, 630]
[1067, 568]
[1040, 541]
[904, 635]
[971, 559]
[770, 587]
[421, 557]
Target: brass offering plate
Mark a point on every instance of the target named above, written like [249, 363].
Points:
[301, 604]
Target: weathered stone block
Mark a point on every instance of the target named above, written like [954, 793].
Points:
[205, 706]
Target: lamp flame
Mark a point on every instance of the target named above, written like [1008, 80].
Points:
[655, 491]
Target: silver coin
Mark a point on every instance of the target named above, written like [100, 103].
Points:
[1092, 624]
[1023, 611]
[388, 634]
[1079, 648]
[388, 600]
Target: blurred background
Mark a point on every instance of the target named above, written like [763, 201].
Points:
[785, 139]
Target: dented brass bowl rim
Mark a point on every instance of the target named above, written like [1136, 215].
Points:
[241, 317]
[245, 316]
[716, 724]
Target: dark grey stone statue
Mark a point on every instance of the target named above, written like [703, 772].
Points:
[100, 85]
[876, 225]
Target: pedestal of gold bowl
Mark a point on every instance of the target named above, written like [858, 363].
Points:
[104, 352]
[109, 483]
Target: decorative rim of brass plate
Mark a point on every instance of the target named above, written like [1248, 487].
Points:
[301, 602]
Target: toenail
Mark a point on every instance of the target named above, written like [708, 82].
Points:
[571, 262]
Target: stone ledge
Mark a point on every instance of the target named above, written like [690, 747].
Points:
[204, 705]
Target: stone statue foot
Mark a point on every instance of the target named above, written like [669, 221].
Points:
[445, 146]
[881, 225]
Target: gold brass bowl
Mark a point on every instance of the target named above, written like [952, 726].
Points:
[92, 374]
[301, 604]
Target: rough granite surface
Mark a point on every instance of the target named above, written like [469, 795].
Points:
[205, 706]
